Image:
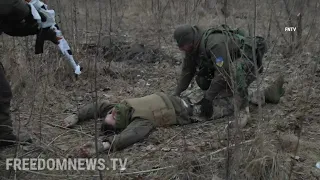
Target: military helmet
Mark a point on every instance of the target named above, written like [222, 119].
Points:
[184, 34]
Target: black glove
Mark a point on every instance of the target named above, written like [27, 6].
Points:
[206, 108]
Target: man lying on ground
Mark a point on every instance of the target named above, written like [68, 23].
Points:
[133, 119]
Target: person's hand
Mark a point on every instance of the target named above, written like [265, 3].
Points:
[106, 145]
[206, 108]
[88, 150]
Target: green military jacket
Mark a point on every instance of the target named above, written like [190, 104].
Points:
[214, 53]
[211, 46]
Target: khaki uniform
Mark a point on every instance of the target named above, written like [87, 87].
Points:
[147, 113]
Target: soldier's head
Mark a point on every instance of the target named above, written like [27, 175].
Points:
[108, 125]
[117, 119]
[184, 36]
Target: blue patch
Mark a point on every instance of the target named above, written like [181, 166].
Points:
[219, 61]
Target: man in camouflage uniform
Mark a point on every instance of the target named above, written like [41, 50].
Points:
[135, 118]
[15, 20]
[222, 61]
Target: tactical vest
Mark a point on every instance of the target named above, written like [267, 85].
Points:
[237, 34]
[245, 43]
[155, 107]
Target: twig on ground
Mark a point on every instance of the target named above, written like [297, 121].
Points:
[27, 153]
[59, 175]
[57, 137]
[222, 149]
[168, 142]
[61, 127]
[146, 171]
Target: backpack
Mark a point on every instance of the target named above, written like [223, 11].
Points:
[245, 42]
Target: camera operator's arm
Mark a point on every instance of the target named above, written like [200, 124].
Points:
[16, 18]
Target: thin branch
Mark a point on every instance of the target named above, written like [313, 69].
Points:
[225, 148]
[146, 171]
[255, 61]
[59, 175]
[61, 127]
[95, 89]
[304, 110]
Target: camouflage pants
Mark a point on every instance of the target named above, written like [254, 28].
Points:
[5, 98]
[224, 106]
[223, 103]
[243, 75]
[87, 112]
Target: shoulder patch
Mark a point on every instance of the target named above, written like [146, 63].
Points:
[219, 61]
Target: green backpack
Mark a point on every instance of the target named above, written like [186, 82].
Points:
[245, 42]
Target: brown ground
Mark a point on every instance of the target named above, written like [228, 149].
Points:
[46, 92]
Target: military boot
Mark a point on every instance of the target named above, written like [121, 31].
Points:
[273, 92]
[270, 92]
[243, 119]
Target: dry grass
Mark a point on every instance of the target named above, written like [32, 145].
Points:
[45, 90]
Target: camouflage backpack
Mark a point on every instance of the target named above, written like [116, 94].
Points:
[246, 42]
